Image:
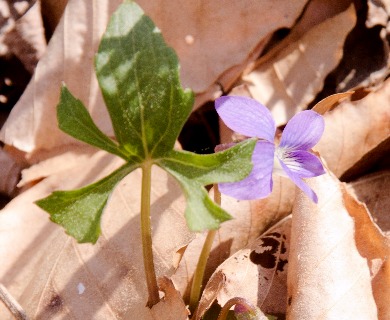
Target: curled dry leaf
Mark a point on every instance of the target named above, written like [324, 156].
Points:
[373, 161]
[290, 80]
[330, 102]
[336, 251]
[373, 190]
[355, 128]
[376, 248]
[257, 273]
[172, 305]
[228, 37]
[53, 277]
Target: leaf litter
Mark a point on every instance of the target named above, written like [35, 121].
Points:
[354, 129]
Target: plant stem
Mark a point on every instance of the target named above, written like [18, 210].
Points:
[197, 281]
[146, 235]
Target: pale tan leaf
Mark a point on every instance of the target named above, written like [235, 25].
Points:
[53, 277]
[257, 273]
[333, 247]
[330, 102]
[355, 128]
[230, 34]
[290, 80]
[57, 160]
[376, 13]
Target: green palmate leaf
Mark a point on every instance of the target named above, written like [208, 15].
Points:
[74, 119]
[139, 78]
[79, 211]
[194, 171]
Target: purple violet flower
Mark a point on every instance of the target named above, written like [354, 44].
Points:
[291, 157]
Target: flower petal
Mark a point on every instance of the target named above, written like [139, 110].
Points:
[299, 183]
[258, 184]
[303, 131]
[302, 163]
[246, 116]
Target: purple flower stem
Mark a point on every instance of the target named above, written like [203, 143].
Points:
[236, 301]
[197, 281]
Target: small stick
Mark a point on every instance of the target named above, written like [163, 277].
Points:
[12, 305]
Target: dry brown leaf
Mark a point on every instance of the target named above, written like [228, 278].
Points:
[251, 219]
[52, 11]
[221, 29]
[330, 102]
[257, 273]
[229, 32]
[377, 13]
[355, 128]
[209, 295]
[376, 248]
[290, 80]
[9, 174]
[172, 305]
[53, 277]
[27, 39]
[57, 160]
[333, 250]
[373, 161]
[374, 190]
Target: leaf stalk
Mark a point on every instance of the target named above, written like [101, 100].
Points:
[146, 234]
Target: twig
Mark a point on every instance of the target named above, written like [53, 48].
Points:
[12, 305]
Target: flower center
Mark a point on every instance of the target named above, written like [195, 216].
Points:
[279, 155]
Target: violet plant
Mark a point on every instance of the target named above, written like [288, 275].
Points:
[291, 157]
[139, 78]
